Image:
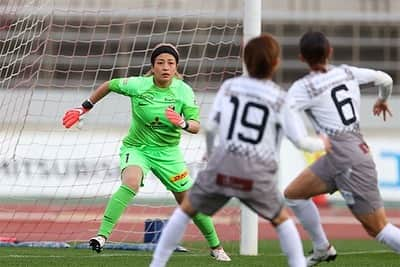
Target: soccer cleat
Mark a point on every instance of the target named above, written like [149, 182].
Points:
[97, 243]
[318, 256]
[219, 254]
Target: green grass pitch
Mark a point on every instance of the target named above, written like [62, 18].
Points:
[365, 253]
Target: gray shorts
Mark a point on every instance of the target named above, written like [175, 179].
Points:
[250, 180]
[351, 170]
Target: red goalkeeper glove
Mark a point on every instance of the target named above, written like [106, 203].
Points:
[72, 116]
[176, 119]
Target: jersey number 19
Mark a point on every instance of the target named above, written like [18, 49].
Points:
[246, 122]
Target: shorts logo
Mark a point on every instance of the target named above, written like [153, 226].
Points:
[364, 148]
[184, 183]
[179, 176]
[237, 183]
[348, 197]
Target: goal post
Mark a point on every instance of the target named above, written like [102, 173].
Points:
[54, 182]
[248, 218]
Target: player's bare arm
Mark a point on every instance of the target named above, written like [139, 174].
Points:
[99, 93]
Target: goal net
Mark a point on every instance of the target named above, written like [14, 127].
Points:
[54, 182]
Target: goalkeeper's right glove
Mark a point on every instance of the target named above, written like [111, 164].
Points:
[72, 116]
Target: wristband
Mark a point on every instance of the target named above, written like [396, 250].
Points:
[186, 125]
[87, 104]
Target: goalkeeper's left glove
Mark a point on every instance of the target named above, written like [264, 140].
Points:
[176, 119]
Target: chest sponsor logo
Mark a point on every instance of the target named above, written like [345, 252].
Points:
[179, 176]
[169, 99]
[146, 96]
[156, 124]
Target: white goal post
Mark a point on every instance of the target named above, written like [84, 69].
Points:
[249, 219]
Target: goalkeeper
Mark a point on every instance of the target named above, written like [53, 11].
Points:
[162, 106]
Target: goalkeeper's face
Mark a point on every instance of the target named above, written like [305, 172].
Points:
[164, 69]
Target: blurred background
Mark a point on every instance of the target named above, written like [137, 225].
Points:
[54, 53]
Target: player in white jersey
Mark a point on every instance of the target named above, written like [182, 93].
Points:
[248, 113]
[330, 96]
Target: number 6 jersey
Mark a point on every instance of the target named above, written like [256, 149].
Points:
[332, 99]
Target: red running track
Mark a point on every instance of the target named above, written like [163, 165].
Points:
[78, 223]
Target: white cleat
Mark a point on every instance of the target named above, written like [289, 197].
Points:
[318, 256]
[97, 243]
[219, 254]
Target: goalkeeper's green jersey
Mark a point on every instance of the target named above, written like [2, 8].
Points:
[149, 125]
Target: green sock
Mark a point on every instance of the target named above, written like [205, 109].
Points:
[115, 207]
[206, 226]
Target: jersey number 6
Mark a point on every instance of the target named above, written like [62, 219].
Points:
[259, 127]
[342, 103]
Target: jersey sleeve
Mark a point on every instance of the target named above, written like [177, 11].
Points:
[379, 78]
[125, 86]
[364, 76]
[299, 98]
[214, 115]
[295, 130]
[190, 109]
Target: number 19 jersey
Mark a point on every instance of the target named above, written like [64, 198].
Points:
[246, 114]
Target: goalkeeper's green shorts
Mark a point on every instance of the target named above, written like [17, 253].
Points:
[166, 163]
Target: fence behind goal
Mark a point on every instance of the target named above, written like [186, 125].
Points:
[55, 182]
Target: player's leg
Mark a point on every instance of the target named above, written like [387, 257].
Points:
[206, 227]
[197, 199]
[131, 176]
[172, 233]
[266, 200]
[378, 227]
[169, 166]
[289, 239]
[298, 195]
[360, 190]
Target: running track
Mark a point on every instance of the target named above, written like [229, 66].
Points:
[78, 223]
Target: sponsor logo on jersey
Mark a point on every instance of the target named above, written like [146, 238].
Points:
[169, 99]
[156, 124]
[179, 176]
[146, 96]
